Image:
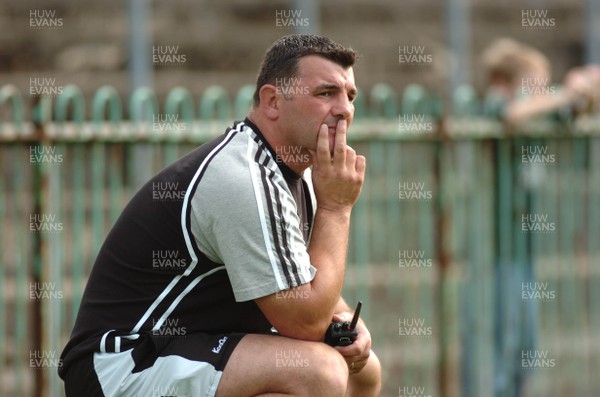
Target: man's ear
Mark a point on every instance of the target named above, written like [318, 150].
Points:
[269, 101]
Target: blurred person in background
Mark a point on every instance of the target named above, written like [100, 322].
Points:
[518, 78]
[521, 76]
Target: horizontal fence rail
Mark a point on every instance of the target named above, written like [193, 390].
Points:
[475, 247]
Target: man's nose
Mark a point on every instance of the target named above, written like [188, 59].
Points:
[343, 108]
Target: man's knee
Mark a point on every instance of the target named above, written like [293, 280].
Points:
[372, 376]
[329, 371]
[368, 381]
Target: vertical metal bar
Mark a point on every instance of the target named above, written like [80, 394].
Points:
[592, 255]
[426, 243]
[566, 225]
[53, 273]
[393, 236]
[518, 273]
[4, 296]
[311, 10]
[503, 192]
[98, 192]
[592, 31]
[142, 106]
[20, 216]
[115, 178]
[458, 27]
[487, 165]
[579, 250]
[443, 207]
[78, 165]
[471, 331]
[140, 69]
[410, 288]
[552, 316]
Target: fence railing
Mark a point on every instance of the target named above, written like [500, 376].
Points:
[476, 251]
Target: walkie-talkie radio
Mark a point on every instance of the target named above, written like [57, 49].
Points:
[343, 333]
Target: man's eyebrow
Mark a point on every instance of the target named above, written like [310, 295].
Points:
[330, 86]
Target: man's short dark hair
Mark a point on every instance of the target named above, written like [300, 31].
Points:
[281, 60]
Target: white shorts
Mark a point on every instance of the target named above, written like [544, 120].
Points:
[158, 367]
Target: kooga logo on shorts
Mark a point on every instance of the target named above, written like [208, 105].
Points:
[217, 349]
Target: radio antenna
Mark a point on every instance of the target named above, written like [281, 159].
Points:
[356, 314]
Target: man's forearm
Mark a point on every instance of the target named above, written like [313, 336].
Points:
[307, 318]
[328, 250]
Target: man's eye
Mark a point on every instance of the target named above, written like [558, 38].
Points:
[326, 93]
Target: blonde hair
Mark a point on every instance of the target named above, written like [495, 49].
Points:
[511, 60]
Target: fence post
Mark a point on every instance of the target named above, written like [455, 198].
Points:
[180, 101]
[106, 96]
[143, 106]
[243, 101]
[215, 102]
[11, 94]
[384, 102]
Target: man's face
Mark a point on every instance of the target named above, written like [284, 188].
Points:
[322, 92]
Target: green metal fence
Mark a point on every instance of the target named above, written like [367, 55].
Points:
[476, 252]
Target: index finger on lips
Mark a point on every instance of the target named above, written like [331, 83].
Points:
[339, 151]
[323, 153]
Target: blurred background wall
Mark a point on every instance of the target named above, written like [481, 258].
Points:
[224, 41]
